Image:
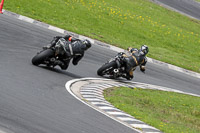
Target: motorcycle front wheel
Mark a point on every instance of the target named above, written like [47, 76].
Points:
[42, 56]
[106, 68]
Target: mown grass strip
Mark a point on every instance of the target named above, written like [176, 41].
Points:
[168, 111]
[172, 38]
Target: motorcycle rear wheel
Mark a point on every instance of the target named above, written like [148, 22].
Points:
[42, 56]
[106, 67]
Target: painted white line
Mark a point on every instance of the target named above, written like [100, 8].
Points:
[142, 126]
[84, 37]
[99, 98]
[89, 93]
[56, 29]
[117, 49]
[91, 90]
[97, 87]
[175, 68]
[152, 132]
[128, 119]
[117, 113]
[88, 96]
[93, 99]
[30, 20]
[94, 95]
[94, 92]
[149, 60]
[107, 107]
[103, 103]
[197, 75]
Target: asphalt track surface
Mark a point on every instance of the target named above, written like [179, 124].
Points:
[34, 99]
[186, 7]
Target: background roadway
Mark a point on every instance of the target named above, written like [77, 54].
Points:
[187, 7]
[34, 99]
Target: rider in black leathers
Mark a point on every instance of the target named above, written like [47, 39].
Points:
[137, 58]
[75, 49]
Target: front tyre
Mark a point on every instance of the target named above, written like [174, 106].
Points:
[106, 68]
[42, 56]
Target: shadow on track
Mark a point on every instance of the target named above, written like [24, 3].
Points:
[117, 79]
[61, 71]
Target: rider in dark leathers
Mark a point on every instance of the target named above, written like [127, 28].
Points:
[75, 49]
[137, 58]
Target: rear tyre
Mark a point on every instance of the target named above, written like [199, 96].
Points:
[42, 56]
[107, 67]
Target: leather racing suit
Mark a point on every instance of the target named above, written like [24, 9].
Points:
[75, 49]
[137, 58]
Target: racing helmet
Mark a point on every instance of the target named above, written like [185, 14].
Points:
[87, 43]
[144, 49]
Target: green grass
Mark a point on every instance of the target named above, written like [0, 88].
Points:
[168, 111]
[171, 37]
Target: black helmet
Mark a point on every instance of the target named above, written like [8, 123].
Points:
[87, 43]
[144, 49]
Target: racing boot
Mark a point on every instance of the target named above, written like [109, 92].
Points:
[127, 76]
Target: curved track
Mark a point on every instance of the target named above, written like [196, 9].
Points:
[34, 100]
[187, 7]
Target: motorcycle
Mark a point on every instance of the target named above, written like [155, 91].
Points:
[114, 68]
[50, 54]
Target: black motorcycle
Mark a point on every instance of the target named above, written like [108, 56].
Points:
[49, 54]
[114, 68]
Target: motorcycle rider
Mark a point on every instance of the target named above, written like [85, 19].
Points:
[137, 58]
[75, 49]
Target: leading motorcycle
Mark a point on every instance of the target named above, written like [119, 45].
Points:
[48, 55]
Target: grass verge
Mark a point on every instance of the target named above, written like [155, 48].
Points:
[168, 111]
[171, 37]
